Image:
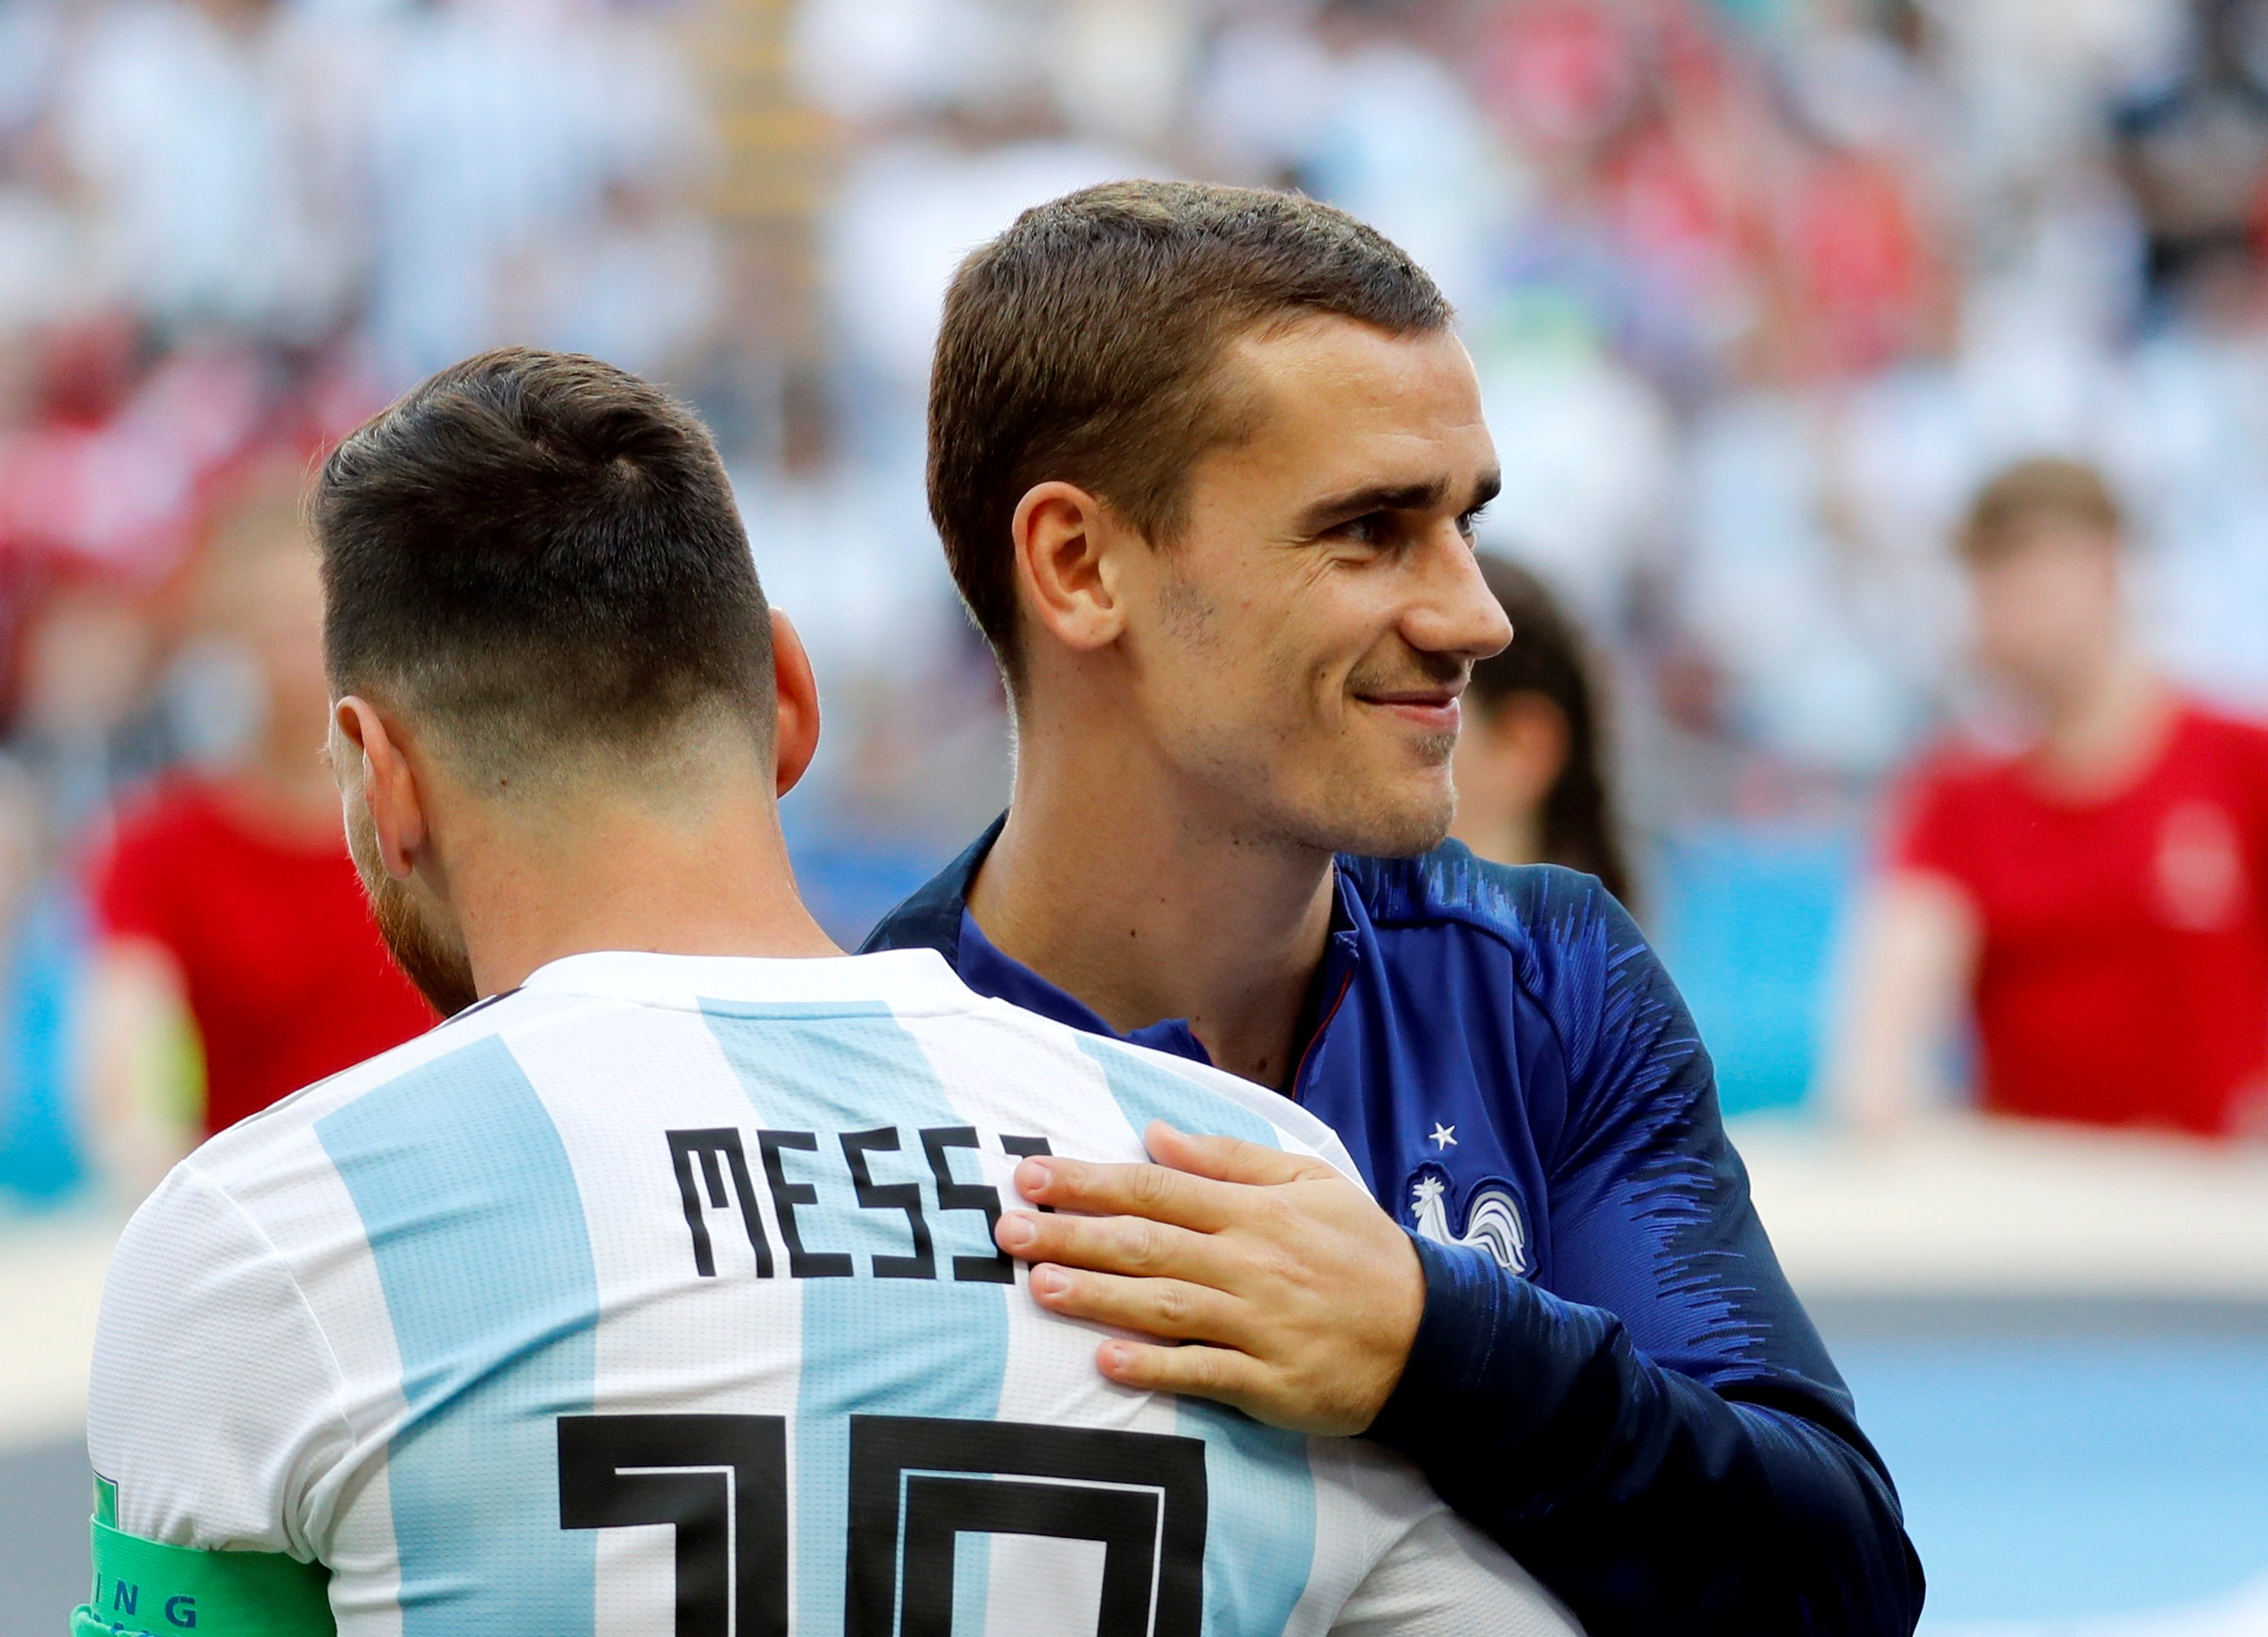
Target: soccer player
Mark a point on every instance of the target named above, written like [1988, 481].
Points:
[655, 1290]
[1206, 462]
[2097, 899]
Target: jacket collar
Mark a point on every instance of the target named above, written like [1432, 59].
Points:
[932, 919]
[937, 918]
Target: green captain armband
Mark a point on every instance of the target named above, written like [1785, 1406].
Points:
[143, 1589]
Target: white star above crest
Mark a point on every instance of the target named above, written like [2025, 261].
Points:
[1444, 1136]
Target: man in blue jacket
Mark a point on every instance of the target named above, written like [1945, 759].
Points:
[1205, 463]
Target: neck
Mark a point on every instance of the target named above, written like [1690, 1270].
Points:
[616, 875]
[2101, 730]
[1120, 884]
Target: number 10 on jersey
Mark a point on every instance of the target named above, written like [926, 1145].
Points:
[916, 1483]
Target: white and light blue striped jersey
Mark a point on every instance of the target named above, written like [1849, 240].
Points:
[661, 1295]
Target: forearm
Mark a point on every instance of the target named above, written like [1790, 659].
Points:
[1911, 960]
[1644, 1499]
[141, 1064]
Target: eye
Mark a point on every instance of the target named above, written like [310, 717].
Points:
[1469, 521]
[1367, 530]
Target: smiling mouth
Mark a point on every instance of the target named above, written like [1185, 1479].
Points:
[1434, 710]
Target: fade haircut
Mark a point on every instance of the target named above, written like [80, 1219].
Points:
[1088, 344]
[539, 555]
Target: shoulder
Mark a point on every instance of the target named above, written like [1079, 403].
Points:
[2225, 758]
[1536, 912]
[210, 1376]
[1961, 765]
[1575, 953]
[1192, 1096]
[2226, 732]
[243, 1331]
[1950, 802]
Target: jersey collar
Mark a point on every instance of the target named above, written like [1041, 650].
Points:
[900, 980]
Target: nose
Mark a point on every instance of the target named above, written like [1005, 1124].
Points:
[1454, 614]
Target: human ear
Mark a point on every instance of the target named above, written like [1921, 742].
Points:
[795, 731]
[1063, 537]
[374, 770]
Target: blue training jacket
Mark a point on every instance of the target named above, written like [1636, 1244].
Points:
[1612, 1376]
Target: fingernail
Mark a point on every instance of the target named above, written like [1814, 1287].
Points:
[1017, 1230]
[1115, 1357]
[1034, 1174]
[1051, 1281]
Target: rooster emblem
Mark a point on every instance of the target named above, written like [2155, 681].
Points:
[1492, 1221]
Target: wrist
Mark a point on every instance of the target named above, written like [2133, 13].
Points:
[1457, 1328]
[1401, 1306]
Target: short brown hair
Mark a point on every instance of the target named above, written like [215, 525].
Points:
[2030, 492]
[539, 554]
[1085, 343]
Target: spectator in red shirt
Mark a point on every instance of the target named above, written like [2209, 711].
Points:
[2100, 899]
[226, 904]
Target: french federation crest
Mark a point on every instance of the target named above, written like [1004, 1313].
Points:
[1493, 1219]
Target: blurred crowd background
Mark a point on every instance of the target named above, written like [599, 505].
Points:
[1760, 292]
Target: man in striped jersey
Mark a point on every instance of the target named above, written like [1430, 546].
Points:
[656, 1290]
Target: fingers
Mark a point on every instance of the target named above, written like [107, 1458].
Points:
[1153, 1192]
[1171, 1310]
[1227, 1159]
[1129, 1245]
[1190, 1186]
[1215, 1373]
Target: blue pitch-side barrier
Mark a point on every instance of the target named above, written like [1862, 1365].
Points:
[41, 1139]
[1747, 920]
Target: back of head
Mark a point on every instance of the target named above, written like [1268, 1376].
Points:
[536, 557]
[1086, 344]
[1547, 655]
[1578, 825]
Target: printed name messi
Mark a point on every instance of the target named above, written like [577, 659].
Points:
[713, 1175]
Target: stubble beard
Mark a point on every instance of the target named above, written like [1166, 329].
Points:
[1391, 829]
[433, 961]
[1362, 816]
[1393, 824]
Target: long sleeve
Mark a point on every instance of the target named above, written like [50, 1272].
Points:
[1647, 1501]
[1655, 1428]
